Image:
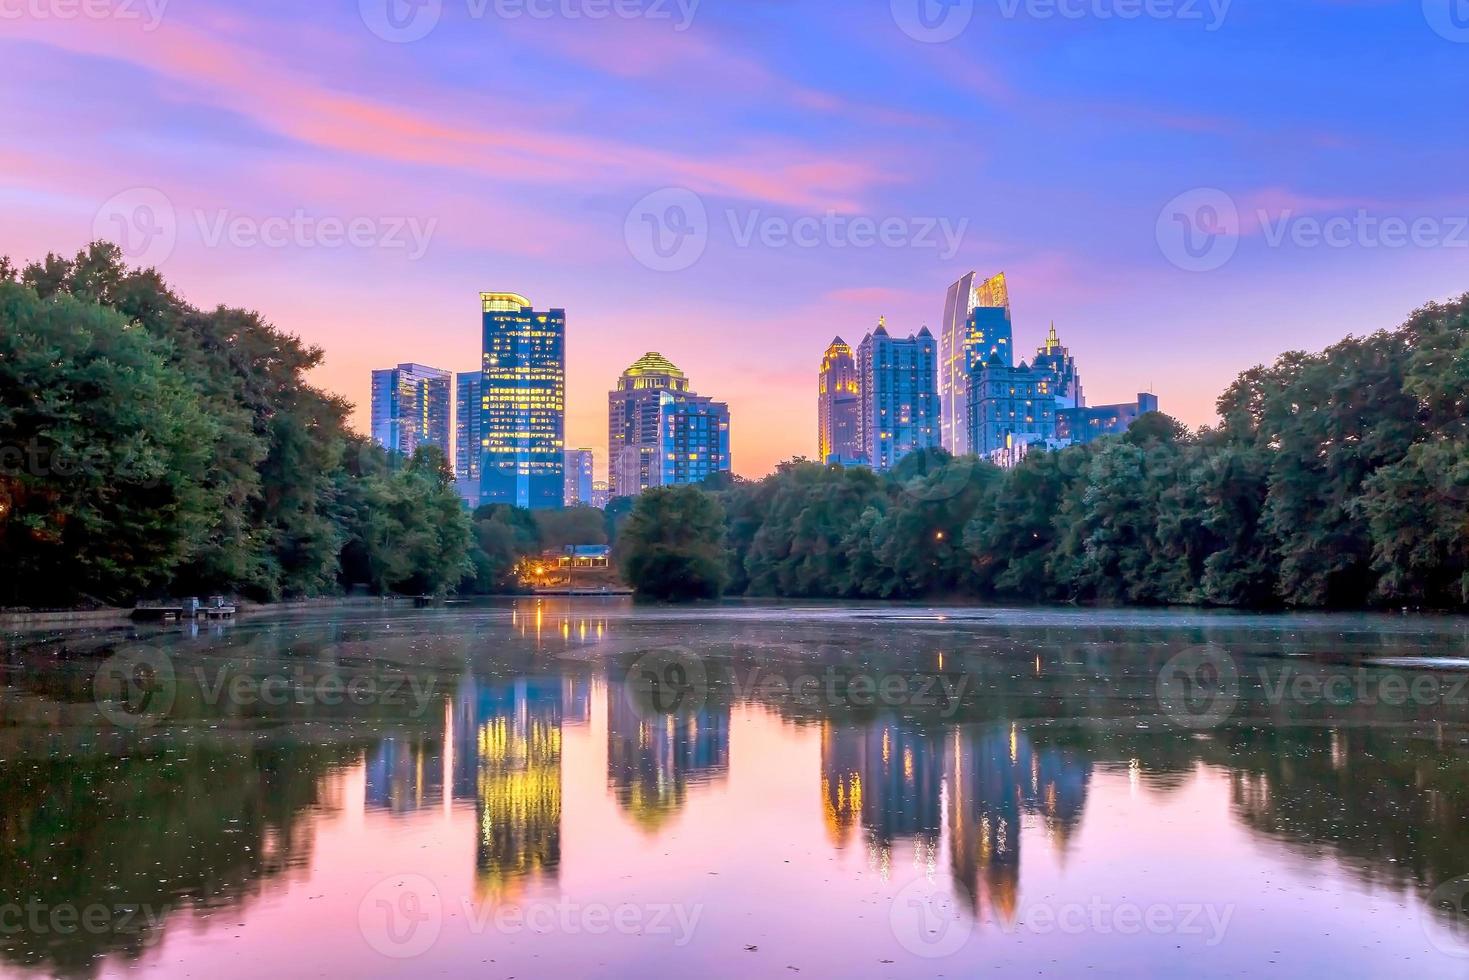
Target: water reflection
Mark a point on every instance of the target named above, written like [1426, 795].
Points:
[533, 718]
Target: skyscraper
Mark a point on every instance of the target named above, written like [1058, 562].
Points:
[410, 408]
[838, 403]
[659, 432]
[578, 478]
[632, 420]
[900, 404]
[469, 416]
[1058, 362]
[1008, 403]
[976, 325]
[523, 428]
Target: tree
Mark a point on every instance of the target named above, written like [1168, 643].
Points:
[672, 546]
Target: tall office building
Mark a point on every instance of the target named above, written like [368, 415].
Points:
[523, 427]
[976, 325]
[660, 432]
[578, 478]
[410, 408]
[899, 398]
[838, 403]
[632, 420]
[1056, 360]
[1008, 404]
[469, 416]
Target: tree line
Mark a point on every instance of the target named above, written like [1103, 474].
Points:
[1337, 479]
[148, 447]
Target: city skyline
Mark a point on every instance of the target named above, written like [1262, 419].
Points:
[1062, 169]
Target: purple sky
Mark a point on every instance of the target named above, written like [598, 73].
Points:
[359, 172]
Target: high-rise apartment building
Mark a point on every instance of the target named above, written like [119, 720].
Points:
[578, 478]
[899, 397]
[410, 408]
[469, 415]
[838, 405]
[977, 325]
[523, 426]
[1008, 403]
[1052, 357]
[659, 432]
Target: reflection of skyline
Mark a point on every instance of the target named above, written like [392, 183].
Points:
[995, 775]
[653, 759]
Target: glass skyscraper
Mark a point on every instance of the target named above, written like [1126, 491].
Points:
[469, 416]
[579, 478]
[900, 402]
[410, 408]
[659, 432]
[976, 325]
[838, 405]
[523, 425]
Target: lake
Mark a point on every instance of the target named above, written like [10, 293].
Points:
[582, 787]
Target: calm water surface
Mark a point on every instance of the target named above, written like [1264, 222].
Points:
[582, 788]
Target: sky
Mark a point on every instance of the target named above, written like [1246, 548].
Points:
[1187, 188]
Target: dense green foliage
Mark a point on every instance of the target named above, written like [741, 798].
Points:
[1338, 479]
[147, 447]
[670, 547]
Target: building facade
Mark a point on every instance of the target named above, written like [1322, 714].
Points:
[1056, 360]
[838, 406]
[976, 326]
[601, 494]
[659, 432]
[578, 478]
[632, 420]
[469, 415]
[523, 425]
[410, 408]
[1007, 404]
[1082, 425]
[898, 396]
